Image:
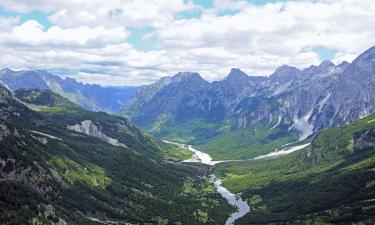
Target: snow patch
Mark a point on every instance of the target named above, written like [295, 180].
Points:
[281, 152]
[198, 156]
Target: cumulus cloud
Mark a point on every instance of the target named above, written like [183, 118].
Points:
[88, 39]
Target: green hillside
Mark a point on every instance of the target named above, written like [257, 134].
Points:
[247, 143]
[54, 175]
[330, 182]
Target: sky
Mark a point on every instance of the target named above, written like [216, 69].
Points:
[135, 42]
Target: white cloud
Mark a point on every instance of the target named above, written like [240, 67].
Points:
[89, 37]
[31, 33]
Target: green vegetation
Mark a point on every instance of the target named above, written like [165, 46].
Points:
[329, 182]
[73, 172]
[247, 143]
[223, 142]
[193, 131]
[61, 111]
[74, 177]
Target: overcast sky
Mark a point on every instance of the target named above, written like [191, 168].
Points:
[132, 42]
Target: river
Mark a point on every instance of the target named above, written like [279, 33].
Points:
[241, 205]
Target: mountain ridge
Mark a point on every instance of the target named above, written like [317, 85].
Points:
[295, 100]
[51, 174]
[90, 96]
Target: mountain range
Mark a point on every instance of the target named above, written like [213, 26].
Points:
[62, 162]
[89, 96]
[289, 105]
[240, 116]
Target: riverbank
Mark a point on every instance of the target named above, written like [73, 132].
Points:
[236, 201]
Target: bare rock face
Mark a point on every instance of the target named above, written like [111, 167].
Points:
[306, 100]
[89, 128]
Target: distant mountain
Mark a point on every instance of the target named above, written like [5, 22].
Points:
[89, 96]
[289, 105]
[61, 164]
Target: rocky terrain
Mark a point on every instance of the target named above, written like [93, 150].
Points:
[293, 100]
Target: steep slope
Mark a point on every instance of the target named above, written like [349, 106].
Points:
[92, 97]
[352, 95]
[290, 105]
[173, 102]
[53, 174]
[329, 182]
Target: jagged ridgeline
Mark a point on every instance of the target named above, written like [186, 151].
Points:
[60, 164]
[241, 116]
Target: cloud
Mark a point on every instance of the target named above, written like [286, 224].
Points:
[89, 39]
[32, 33]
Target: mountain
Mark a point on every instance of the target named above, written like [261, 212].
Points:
[331, 181]
[243, 116]
[89, 96]
[61, 164]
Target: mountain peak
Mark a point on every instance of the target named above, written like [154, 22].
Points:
[6, 70]
[184, 76]
[366, 59]
[285, 68]
[326, 64]
[343, 64]
[237, 74]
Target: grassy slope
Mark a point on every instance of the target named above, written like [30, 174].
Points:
[57, 108]
[88, 177]
[221, 141]
[247, 143]
[331, 184]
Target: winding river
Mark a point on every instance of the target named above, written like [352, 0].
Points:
[241, 205]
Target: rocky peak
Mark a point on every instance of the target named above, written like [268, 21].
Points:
[5, 71]
[187, 76]
[285, 73]
[285, 70]
[237, 74]
[366, 61]
[325, 67]
[326, 64]
[343, 64]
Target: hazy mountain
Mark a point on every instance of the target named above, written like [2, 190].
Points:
[90, 96]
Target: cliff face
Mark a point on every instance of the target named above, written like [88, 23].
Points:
[305, 101]
[89, 128]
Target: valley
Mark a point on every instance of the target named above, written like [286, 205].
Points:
[291, 148]
[187, 112]
[242, 207]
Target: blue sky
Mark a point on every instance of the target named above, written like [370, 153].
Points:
[145, 40]
[37, 15]
[136, 37]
